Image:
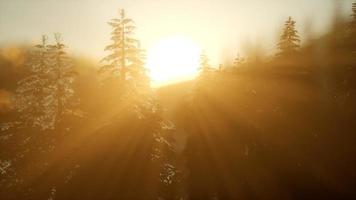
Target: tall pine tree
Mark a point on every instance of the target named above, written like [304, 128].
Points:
[125, 60]
[205, 73]
[47, 93]
[239, 61]
[353, 15]
[60, 99]
[32, 91]
[124, 71]
[204, 64]
[289, 41]
[42, 100]
[353, 28]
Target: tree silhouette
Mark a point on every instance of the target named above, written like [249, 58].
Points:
[43, 98]
[32, 91]
[62, 76]
[46, 94]
[204, 64]
[125, 60]
[124, 71]
[353, 14]
[239, 61]
[289, 41]
[353, 27]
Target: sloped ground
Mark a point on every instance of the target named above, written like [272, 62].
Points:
[264, 136]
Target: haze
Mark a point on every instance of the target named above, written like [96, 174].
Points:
[217, 26]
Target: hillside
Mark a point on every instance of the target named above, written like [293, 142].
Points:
[276, 134]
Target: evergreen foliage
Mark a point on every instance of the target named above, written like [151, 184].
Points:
[261, 132]
[289, 41]
[353, 15]
[62, 76]
[32, 91]
[125, 62]
[238, 61]
[353, 28]
[47, 93]
[204, 64]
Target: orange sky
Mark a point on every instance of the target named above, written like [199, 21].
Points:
[220, 27]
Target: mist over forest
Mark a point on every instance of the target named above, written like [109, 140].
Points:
[261, 125]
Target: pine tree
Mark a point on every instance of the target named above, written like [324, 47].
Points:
[289, 41]
[238, 61]
[61, 93]
[42, 99]
[353, 28]
[353, 15]
[125, 60]
[205, 73]
[125, 68]
[204, 64]
[46, 94]
[32, 91]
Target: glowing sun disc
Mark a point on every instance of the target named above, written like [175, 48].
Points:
[173, 59]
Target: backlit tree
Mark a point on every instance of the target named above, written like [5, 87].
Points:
[125, 60]
[61, 92]
[47, 93]
[204, 64]
[32, 91]
[353, 27]
[289, 41]
[353, 15]
[239, 61]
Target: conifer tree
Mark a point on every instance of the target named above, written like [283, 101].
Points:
[124, 67]
[289, 41]
[353, 15]
[125, 60]
[46, 94]
[124, 70]
[204, 64]
[353, 27]
[205, 73]
[238, 61]
[42, 99]
[61, 93]
[32, 91]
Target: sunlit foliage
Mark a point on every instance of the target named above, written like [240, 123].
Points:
[125, 60]
[289, 41]
[274, 128]
[46, 94]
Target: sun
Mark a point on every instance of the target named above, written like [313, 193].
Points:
[173, 59]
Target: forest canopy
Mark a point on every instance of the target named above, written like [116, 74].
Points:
[275, 126]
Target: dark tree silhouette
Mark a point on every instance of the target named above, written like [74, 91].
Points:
[289, 40]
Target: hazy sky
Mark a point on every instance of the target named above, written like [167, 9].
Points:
[216, 25]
